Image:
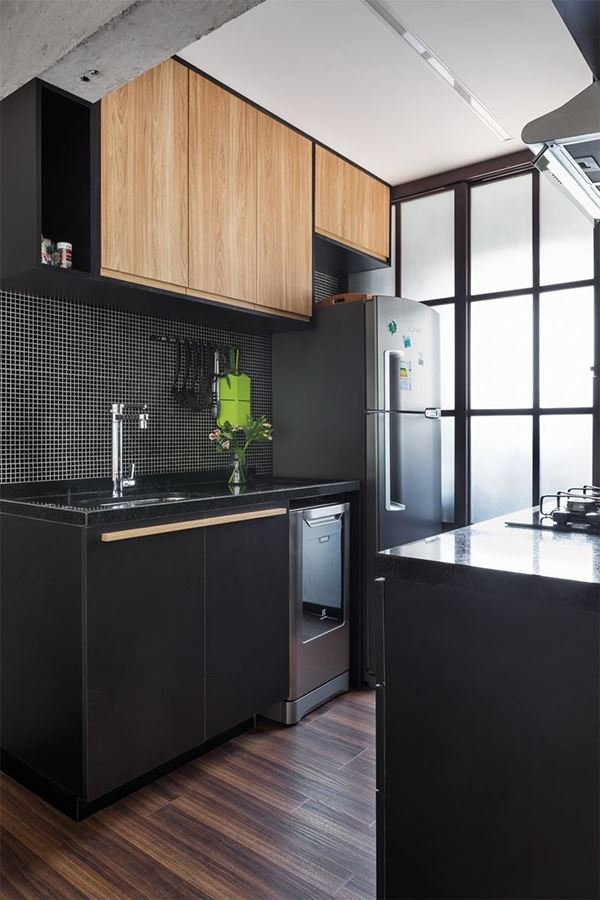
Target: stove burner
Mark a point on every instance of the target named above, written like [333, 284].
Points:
[574, 509]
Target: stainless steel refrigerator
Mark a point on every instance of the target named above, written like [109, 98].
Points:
[358, 396]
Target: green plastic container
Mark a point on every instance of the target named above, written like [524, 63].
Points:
[235, 396]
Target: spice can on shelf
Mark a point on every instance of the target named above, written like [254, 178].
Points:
[47, 251]
[64, 251]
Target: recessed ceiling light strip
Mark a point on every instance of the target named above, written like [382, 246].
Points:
[384, 12]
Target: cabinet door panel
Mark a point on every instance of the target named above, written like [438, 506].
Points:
[222, 192]
[247, 620]
[145, 625]
[351, 206]
[284, 218]
[144, 138]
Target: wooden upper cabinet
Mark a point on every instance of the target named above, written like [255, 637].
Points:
[350, 206]
[222, 198]
[285, 267]
[144, 192]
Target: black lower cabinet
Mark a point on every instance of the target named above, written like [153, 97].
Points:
[145, 655]
[41, 630]
[122, 655]
[247, 620]
[490, 740]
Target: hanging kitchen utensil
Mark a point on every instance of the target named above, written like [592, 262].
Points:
[190, 396]
[215, 382]
[187, 354]
[175, 389]
[204, 383]
[235, 392]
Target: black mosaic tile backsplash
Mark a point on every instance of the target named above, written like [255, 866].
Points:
[62, 364]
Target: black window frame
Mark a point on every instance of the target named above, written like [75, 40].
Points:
[460, 182]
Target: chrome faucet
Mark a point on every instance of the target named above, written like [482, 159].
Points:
[120, 413]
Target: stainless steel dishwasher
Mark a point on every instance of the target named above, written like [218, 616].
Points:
[319, 597]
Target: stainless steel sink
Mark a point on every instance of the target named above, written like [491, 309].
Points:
[130, 502]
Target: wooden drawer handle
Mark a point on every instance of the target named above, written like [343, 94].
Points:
[193, 523]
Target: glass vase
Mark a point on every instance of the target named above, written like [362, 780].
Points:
[238, 473]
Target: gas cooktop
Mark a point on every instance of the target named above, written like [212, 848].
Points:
[576, 509]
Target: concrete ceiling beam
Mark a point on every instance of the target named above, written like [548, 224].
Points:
[62, 41]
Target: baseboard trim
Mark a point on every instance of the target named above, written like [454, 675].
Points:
[76, 807]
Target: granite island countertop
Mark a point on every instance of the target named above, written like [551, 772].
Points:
[80, 502]
[495, 546]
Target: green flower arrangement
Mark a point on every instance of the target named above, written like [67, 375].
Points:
[228, 439]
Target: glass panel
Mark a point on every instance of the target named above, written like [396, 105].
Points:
[501, 242]
[448, 469]
[501, 450]
[566, 238]
[322, 594]
[565, 452]
[502, 353]
[446, 314]
[566, 347]
[427, 242]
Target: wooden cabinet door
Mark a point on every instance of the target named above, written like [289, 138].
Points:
[145, 655]
[247, 620]
[351, 206]
[222, 236]
[144, 179]
[285, 269]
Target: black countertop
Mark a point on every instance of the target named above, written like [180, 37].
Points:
[80, 502]
[517, 548]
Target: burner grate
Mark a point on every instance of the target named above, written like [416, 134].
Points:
[577, 508]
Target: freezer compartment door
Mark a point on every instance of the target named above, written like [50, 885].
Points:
[408, 477]
[403, 356]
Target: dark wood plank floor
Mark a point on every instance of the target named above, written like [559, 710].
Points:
[276, 813]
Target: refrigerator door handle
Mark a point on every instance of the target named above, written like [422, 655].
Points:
[391, 504]
[431, 412]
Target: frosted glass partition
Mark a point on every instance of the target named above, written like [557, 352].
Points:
[565, 452]
[448, 469]
[502, 353]
[446, 314]
[427, 247]
[501, 236]
[566, 347]
[566, 238]
[501, 478]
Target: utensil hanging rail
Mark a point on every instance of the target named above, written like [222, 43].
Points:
[172, 339]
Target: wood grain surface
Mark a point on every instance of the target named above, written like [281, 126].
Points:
[144, 177]
[222, 236]
[351, 206]
[285, 228]
[206, 522]
[276, 813]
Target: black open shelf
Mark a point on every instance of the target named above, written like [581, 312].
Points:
[334, 258]
[66, 174]
[48, 177]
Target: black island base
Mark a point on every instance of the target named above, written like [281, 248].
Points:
[488, 716]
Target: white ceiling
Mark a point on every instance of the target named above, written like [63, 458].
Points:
[335, 70]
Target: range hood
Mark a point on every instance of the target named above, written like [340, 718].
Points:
[567, 143]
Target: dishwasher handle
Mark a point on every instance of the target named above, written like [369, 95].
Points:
[326, 520]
